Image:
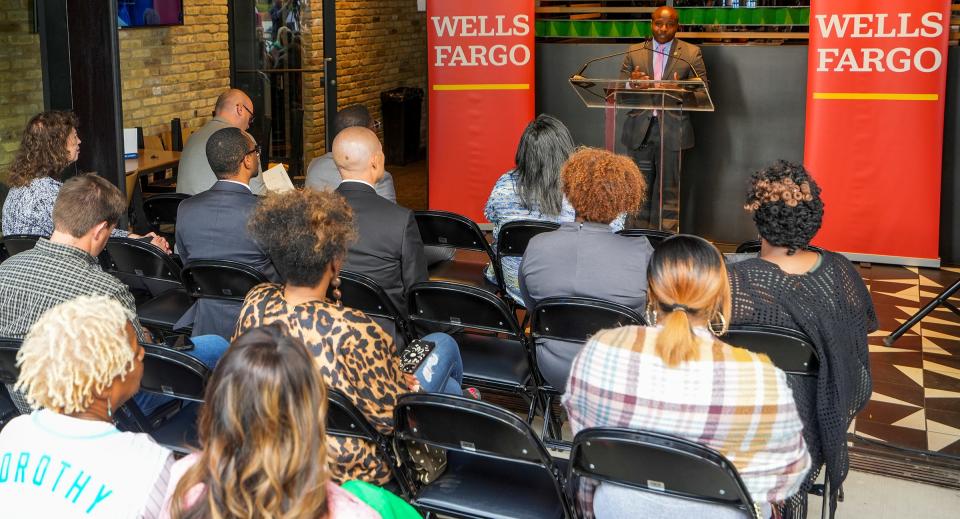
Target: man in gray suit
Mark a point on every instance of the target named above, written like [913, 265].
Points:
[664, 58]
[213, 225]
[234, 109]
[322, 173]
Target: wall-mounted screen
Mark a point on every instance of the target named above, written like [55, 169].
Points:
[149, 13]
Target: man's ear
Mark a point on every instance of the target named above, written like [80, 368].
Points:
[101, 228]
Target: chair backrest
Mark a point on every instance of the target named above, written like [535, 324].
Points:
[17, 243]
[363, 293]
[141, 265]
[654, 236]
[448, 229]
[749, 247]
[467, 425]
[575, 319]
[514, 236]
[789, 350]
[445, 303]
[657, 462]
[344, 419]
[9, 371]
[173, 373]
[152, 142]
[162, 209]
[220, 279]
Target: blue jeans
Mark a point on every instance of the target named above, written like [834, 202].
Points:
[442, 370]
[206, 348]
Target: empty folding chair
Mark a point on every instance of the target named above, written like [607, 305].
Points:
[446, 229]
[496, 354]
[656, 462]
[654, 236]
[17, 243]
[161, 212]
[496, 466]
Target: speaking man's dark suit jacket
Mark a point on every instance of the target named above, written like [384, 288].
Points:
[388, 247]
[213, 225]
[638, 121]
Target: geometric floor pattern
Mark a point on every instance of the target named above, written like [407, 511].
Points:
[916, 382]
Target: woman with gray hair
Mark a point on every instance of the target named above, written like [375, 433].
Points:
[78, 364]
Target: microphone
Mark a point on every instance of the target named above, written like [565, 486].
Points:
[579, 75]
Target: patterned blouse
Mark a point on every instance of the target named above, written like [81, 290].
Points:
[731, 400]
[354, 355]
[29, 209]
[504, 206]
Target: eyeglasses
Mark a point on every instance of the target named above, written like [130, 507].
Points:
[248, 111]
[256, 149]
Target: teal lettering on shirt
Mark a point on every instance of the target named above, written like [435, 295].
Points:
[21, 473]
[5, 467]
[63, 466]
[77, 485]
[41, 471]
[100, 497]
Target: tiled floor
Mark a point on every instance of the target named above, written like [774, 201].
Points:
[916, 382]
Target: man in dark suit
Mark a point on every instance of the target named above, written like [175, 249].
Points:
[213, 225]
[664, 58]
[388, 248]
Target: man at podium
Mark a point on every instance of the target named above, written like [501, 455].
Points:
[669, 59]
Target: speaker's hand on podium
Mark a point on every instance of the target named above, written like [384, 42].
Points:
[638, 75]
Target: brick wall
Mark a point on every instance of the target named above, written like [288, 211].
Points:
[21, 86]
[381, 44]
[178, 71]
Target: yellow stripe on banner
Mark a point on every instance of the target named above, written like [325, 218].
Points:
[485, 86]
[866, 96]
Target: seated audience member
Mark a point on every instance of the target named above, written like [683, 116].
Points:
[388, 246]
[322, 173]
[213, 225]
[675, 377]
[49, 144]
[354, 355]
[234, 109]
[66, 266]
[78, 365]
[817, 292]
[584, 258]
[263, 451]
[532, 190]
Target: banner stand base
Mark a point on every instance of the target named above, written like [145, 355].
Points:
[892, 260]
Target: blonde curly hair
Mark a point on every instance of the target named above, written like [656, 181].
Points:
[73, 352]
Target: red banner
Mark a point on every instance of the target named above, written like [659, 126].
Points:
[874, 136]
[480, 76]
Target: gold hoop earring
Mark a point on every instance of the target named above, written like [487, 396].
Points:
[336, 292]
[723, 325]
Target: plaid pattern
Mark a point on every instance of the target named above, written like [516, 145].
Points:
[49, 274]
[730, 400]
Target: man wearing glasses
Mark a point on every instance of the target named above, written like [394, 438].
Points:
[234, 109]
[212, 225]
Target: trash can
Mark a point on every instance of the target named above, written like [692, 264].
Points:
[401, 124]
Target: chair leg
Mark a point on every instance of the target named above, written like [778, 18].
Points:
[547, 411]
[825, 510]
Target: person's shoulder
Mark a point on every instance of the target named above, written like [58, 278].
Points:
[264, 291]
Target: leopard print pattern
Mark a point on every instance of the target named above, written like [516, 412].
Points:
[354, 355]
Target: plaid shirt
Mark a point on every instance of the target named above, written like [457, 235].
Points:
[731, 400]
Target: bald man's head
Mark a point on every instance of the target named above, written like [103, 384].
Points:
[358, 154]
[235, 107]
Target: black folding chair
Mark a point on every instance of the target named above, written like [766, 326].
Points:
[514, 237]
[175, 374]
[792, 352]
[153, 277]
[161, 210]
[220, 279]
[572, 319]
[16, 243]
[363, 293]
[654, 236]
[660, 463]
[749, 247]
[9, 372]
[496, 465]
[445, 229]
[495, 351]
[346, 421]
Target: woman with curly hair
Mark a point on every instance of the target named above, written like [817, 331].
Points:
[263, 449]
[532, 190]
[78, 364]
[584, 258]
[306, 234]
[817, 292]
[49, 144]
